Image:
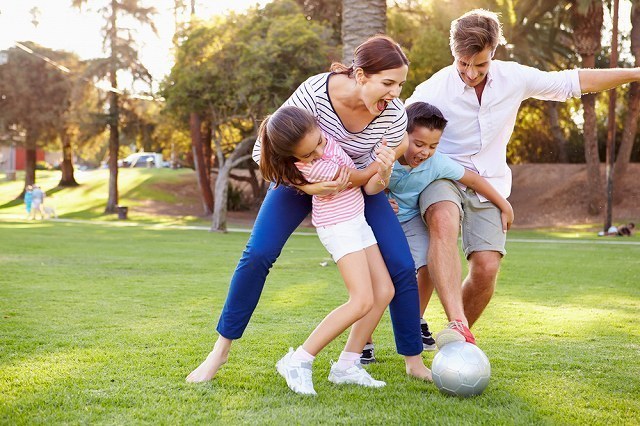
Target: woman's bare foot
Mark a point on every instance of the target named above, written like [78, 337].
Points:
[210, 366]
[415, 367]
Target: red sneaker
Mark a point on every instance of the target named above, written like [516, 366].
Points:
[456, 331]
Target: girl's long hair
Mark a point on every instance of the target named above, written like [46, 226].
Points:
[279, 133]
[379, 53]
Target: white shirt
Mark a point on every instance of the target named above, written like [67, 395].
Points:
[477, 135]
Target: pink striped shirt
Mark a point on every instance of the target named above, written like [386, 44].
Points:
[336, 208]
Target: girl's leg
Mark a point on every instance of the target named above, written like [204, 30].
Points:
[355, 272]
[382, 294]
[282, 211]
[404, 307]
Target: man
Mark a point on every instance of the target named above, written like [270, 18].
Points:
[480, 98]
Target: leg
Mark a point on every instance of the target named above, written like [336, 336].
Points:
[382, 294]
[480, 283]
[354, 269]
[483, 242]
[425, 288]
[405, 306]
[282, 211]
[443, 220]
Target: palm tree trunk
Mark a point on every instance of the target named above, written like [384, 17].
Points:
[587, 20]
[361, 19]
[556, 131]
[630, 128]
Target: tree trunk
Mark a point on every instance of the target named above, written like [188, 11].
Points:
[556, 131]
[206, 148]
[361, 19]
[633, 110]
[195, 123]
[587, 25]
[629, 131]
[66, 166]
[219, 221]
[114, 117]
[30, 158]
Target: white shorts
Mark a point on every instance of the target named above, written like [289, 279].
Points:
[346, 237]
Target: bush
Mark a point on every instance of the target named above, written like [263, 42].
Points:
[236, 199]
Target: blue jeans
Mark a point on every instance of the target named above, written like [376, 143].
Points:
[282, 211]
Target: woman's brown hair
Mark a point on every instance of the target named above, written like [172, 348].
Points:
[280, 132]
[377, 54]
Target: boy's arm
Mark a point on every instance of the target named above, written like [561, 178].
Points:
[484, 188]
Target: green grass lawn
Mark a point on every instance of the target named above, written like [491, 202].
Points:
[101, 324]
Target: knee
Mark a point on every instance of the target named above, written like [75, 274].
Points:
[443, 219]
[261, 254]
[484, 269]
[385, 295]
[362, 304]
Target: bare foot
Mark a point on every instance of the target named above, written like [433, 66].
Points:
[415, 367]
[210, 366]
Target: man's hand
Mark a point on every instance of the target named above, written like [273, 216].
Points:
[394, 205]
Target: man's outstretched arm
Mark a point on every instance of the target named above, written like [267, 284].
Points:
[597, 80]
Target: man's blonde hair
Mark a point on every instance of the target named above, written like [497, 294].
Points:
[475, 31]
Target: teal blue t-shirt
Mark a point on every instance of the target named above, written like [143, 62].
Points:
[405, 185]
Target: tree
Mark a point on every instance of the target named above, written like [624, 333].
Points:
[238, 68]
[587, 16]
[122, 56]
[36, 97]
[630, 127]
[361, 19]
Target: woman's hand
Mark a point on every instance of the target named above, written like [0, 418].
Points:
[329, 187]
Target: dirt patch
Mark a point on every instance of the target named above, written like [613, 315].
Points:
[544, 195]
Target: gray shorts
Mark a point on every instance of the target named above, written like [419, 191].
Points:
[418, 238]
[481, 223]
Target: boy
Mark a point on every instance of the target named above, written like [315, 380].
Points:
[412, 173]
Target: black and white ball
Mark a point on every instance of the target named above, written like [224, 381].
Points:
[461, 369]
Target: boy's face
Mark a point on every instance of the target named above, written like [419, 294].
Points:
[422, 145]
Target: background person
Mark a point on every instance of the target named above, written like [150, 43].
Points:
[480, 98]
[358, 106]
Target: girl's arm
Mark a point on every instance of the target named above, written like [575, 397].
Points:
[484, 188]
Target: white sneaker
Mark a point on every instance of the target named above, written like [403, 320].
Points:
[297, 374]
[355, 375]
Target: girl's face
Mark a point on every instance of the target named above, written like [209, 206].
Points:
[310, 147]
[381, 88]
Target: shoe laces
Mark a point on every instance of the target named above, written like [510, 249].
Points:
[457, 324]
[306, 375]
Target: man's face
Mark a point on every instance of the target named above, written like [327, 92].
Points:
[473, 70]
[422, 145]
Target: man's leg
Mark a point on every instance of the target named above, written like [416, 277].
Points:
[480, 283]
[483, 242]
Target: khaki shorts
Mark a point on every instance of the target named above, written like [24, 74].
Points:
[481, 223]
[418, 238]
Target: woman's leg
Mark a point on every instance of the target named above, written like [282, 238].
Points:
[282, 211]
[355, 273]
[405, 306]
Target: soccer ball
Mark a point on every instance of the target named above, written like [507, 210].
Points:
[461, 369]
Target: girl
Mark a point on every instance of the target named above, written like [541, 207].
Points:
[295, 151]
[357, 106]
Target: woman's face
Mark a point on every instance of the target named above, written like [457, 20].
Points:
[381, 88]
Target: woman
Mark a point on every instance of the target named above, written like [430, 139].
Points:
[358, 106]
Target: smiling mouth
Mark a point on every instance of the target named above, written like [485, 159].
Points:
[382, 104]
